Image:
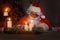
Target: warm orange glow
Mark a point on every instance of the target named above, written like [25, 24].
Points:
[31, 21]
[9, 19]
[7, 9]
[25, 23]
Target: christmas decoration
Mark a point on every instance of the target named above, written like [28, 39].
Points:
[35, 19]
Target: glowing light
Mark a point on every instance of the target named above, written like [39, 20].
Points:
[7, 9]
[9, 19]
[31, 25]
[26, 26]
[9, 23]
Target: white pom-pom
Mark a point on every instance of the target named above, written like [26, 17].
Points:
[43, 17]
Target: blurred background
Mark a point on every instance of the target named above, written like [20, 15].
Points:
[17, 9]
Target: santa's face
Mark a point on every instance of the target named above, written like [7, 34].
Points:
[33, 14]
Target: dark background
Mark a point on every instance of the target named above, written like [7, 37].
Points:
[51, 8]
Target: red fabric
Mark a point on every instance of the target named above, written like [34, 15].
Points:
[22, 20]
[47, 22]
[40, 6]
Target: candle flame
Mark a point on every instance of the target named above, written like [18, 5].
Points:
[31, 21]
[9, 19]
[25, 23]
[26, 26]
[6, 9]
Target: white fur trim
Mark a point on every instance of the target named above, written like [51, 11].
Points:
[34, 9]
[43, 17]
[44, 26]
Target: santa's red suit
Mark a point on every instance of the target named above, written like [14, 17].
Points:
[40, 21]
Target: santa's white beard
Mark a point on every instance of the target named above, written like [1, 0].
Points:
[36, 21]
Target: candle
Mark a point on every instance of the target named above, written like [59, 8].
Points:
[5, 13]
[26, 26]
[9, 23]
[31, 25]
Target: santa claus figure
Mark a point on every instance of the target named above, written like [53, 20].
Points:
[35, 18]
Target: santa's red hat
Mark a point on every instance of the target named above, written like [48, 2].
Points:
[36, 8]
